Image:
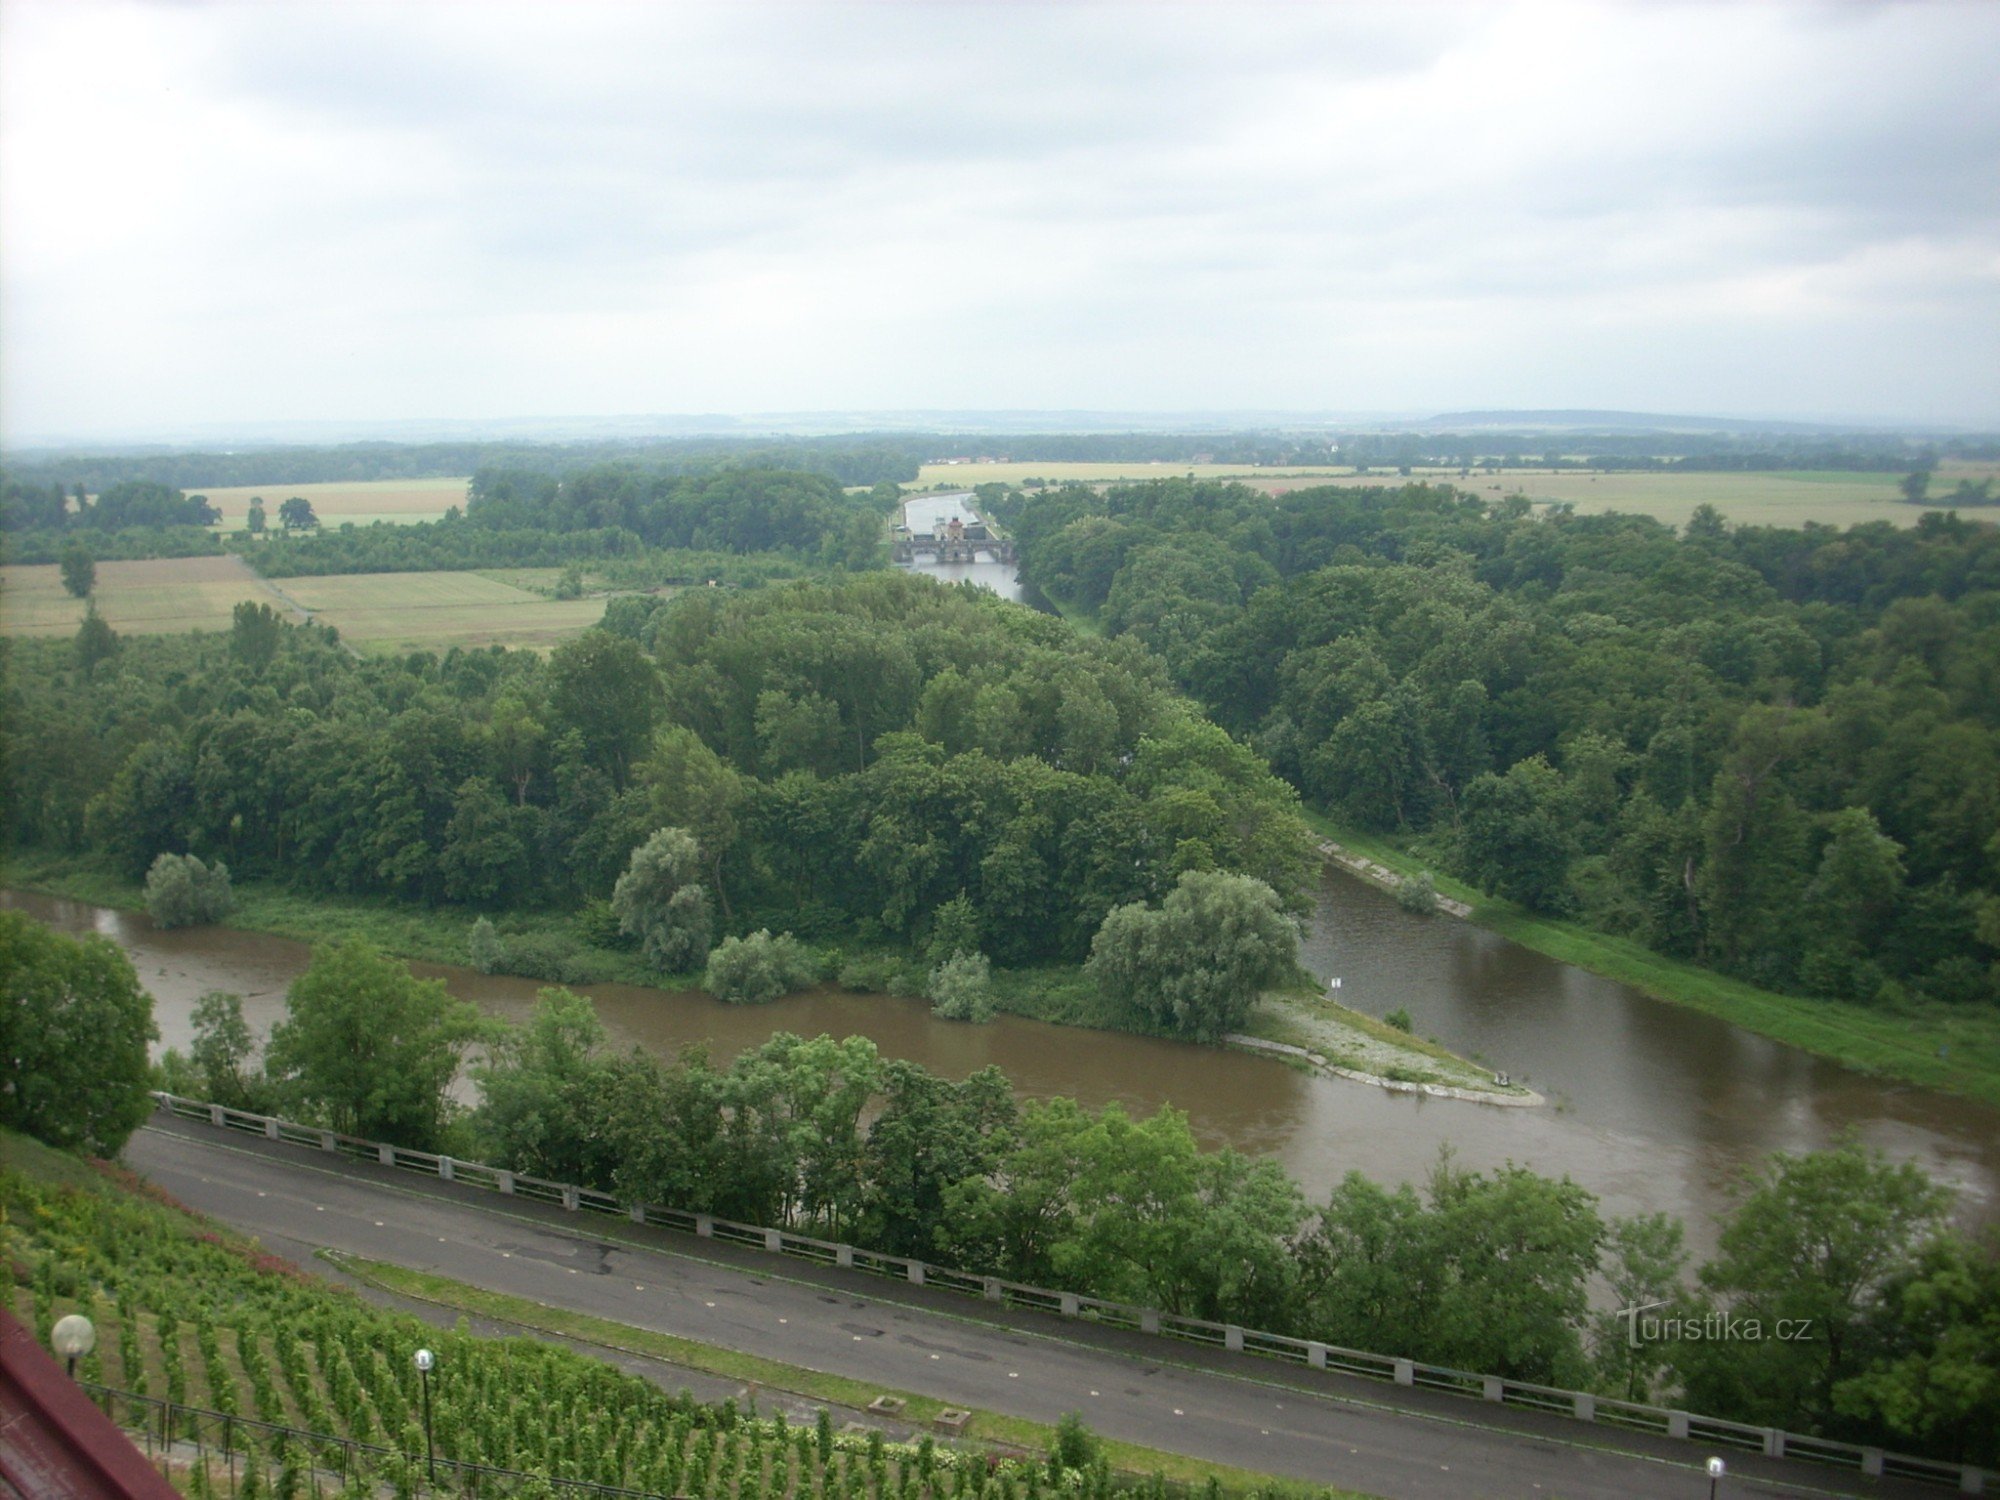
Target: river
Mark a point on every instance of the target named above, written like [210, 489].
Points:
[1654, 1107]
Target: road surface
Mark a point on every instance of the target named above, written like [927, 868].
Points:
[1309, 1425]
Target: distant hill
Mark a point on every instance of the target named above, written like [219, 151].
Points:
[1581, 420]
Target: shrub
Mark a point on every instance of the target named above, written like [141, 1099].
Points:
[880, 974]
[750, 970]
[181, 891]
[961, 988]
[555, 957]
[484, 947]
[1418, 893]
[1400, 1019]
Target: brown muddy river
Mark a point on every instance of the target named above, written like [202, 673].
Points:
[1653, 1106]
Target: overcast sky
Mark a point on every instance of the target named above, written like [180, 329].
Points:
[235, 213]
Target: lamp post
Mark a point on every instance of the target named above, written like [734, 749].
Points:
[73, 1337]
[1716, 1469]
[425, 1359]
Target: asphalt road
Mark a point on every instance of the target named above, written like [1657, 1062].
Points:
[1323, 1428]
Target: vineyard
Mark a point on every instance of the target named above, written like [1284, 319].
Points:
[199, 1322]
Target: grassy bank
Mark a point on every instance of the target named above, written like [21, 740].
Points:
[1933, 1045]
[551, 946]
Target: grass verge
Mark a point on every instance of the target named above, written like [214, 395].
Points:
[815, 1385]
[1931, 1045]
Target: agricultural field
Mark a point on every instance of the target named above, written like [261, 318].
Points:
[160, 597]
[398, 612]
[374, 612]
[362, 502]
[1781, 498]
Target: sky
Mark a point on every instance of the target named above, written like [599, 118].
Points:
[254, 213]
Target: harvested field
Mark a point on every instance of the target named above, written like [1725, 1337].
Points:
[1778, 498]
[161, 597]
[967, 475]
[362, 502]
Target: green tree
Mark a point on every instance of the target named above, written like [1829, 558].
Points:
[603, 686]
[95, 641]
[660, 900]
[546, 1092]
[1935, 1387]
[1196, 964]
[1814, 1245]
[79, 570]
[961, 988]
[221, 1053]
[930, 1134]
[483, 947]
[1645, 1257]
[1916, 486]
[296, 514]
[751, 970]
[181, 891]
[1518, 839]
[484, 861]
[74, 1025]
[370, 1048]
[255, 518]
[255, 632]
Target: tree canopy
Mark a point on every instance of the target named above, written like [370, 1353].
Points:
[369, 1048]
[74, 1025]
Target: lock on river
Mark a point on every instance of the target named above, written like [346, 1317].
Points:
[1653, 1107]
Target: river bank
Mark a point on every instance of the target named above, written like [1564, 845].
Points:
[1360, 1048]
[1934, 1046]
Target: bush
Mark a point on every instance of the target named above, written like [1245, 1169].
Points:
[1418, 893]
[555, 957]
[961, 988]
[1075, 1447]
[181, 891]
[750, 970]
[484, 947]
[880, 974]
[598, 925]
[1400, 1019]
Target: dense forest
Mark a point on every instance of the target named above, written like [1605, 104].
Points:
[1774, 751]
[850, 756]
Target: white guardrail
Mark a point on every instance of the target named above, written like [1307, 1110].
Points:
[1711, 1432]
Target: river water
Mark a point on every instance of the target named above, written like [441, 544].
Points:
[1653, 1107]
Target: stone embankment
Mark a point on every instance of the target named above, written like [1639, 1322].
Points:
[1382, 875]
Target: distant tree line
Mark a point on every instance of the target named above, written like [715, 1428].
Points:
[855, 460]
[1774, 751]
[50, 507]
[734, 510]
[864, 459]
